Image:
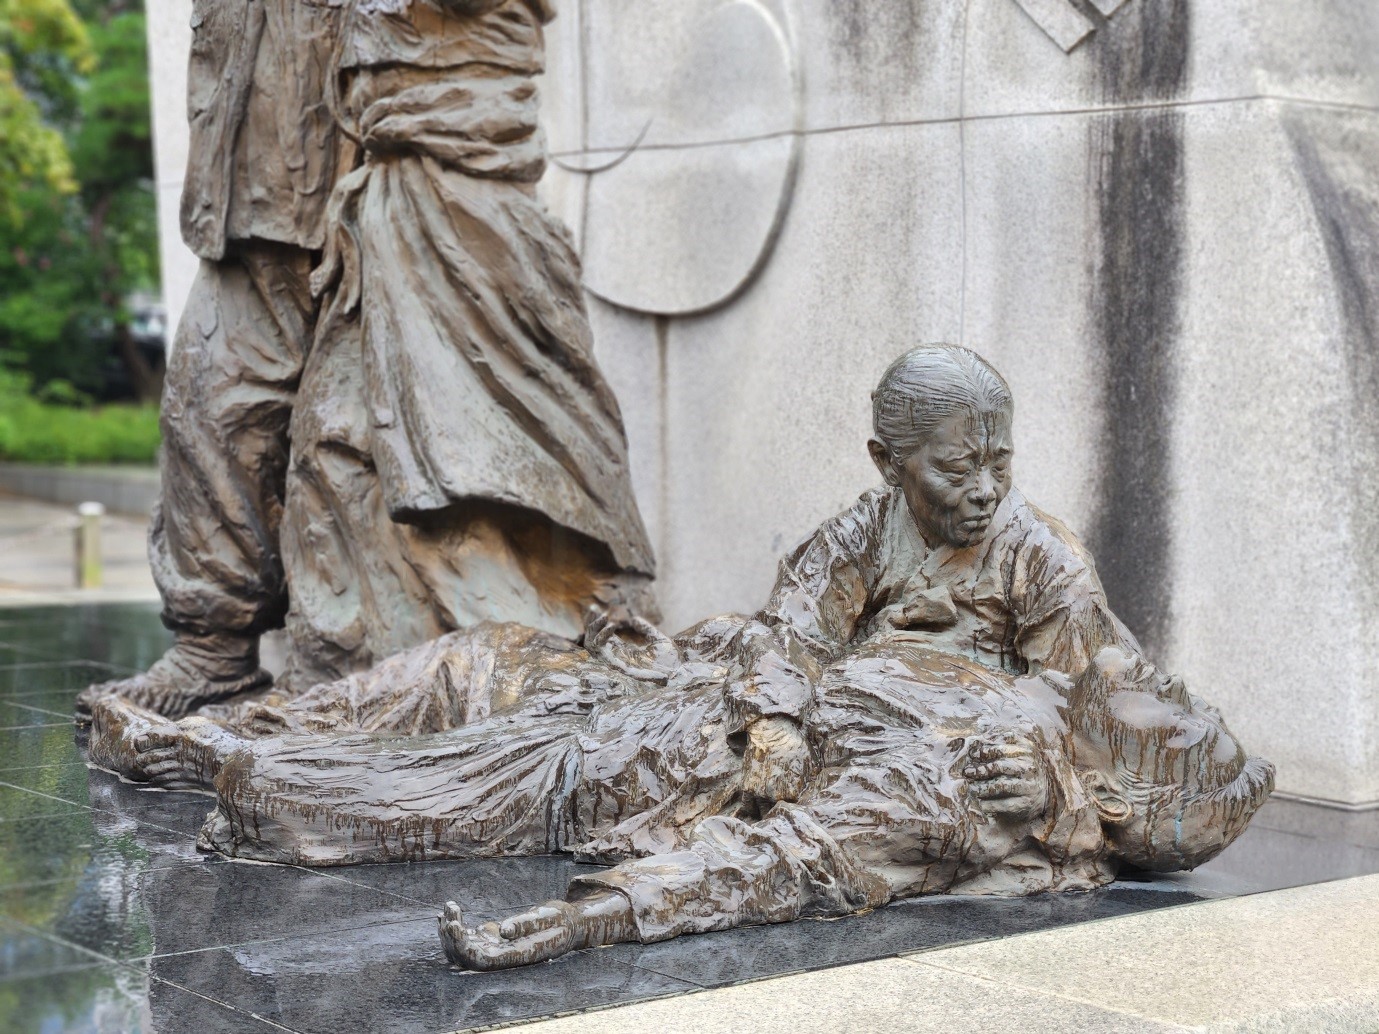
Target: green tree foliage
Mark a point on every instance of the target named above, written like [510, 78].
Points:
[43, 48]
[78, 229]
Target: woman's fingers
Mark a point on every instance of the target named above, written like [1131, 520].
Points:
[996, 751]
[991, 789]
[597, 628]
[538, 920]
[1006, 767]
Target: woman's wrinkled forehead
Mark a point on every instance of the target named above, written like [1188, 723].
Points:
[971, 422]
[958, 426]
[929, 383]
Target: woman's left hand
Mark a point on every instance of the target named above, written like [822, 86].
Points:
[776, 762]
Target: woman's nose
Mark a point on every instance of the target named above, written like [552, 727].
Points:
[983, 491]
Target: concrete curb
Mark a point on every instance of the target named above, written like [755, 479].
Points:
[129, 490]
[1289, 961]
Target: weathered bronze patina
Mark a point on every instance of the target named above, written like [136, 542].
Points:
[936, 698]
[415, 437]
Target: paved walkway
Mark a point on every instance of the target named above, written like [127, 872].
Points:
[1292, 961]
[37, 555]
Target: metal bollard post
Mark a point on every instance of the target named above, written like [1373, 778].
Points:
[89, 568]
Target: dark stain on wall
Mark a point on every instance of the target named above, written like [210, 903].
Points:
[1137, 156]
[1335, 154]
[1142, 52]
[876, 42]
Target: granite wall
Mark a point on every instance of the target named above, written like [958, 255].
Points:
[1159, 218]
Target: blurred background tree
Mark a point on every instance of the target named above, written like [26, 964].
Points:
[78, 218]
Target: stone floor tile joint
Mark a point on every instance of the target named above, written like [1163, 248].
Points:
[40, 793]
[1046, 993]
[55, 939]
[226, 1005]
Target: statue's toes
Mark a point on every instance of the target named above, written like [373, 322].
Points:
[157, 739]
[161, 767]
[89, 699]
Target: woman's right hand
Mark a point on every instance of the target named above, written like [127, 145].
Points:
[631, 644]
[1008, 779]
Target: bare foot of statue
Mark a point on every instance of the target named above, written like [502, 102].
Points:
[537, 935]
[145, 747]
[198, 670]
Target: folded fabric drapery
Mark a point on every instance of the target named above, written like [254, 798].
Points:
[483, 385]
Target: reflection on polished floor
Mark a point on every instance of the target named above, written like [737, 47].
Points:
[110, 920]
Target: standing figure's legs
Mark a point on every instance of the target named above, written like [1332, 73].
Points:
[231, 383]
[365, 586]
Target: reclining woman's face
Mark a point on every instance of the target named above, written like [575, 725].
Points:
[956, 478]
[1174, 785]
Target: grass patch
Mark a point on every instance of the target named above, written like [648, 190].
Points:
[34, 431]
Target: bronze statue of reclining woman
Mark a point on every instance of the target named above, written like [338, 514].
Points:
[936, 698]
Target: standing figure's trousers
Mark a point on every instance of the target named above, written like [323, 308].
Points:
[231, 382]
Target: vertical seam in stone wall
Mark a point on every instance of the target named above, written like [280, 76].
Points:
[583, 29]
[662, 329]
[962, 174]
[1136, 298]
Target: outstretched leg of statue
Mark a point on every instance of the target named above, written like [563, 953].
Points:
[728, 873]
[227, 400]
[450, 682]
[145, 747]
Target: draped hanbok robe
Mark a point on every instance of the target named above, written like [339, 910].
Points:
[457, 453]
[567, 753]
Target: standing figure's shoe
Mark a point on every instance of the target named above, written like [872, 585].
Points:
[198, 670]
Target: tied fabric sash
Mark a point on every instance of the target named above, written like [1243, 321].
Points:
[482, 126]
[477, 356]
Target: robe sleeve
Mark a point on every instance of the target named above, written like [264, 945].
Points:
[1064, 619]
[776, 679]
[823, 586]
[821, 594]
[733, 873]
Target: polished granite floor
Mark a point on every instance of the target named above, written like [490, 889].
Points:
[111, 921]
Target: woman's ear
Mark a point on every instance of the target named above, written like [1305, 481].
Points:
[881, 456]
[1111, 802]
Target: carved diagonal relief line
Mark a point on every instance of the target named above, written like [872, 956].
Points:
[1065, 24]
